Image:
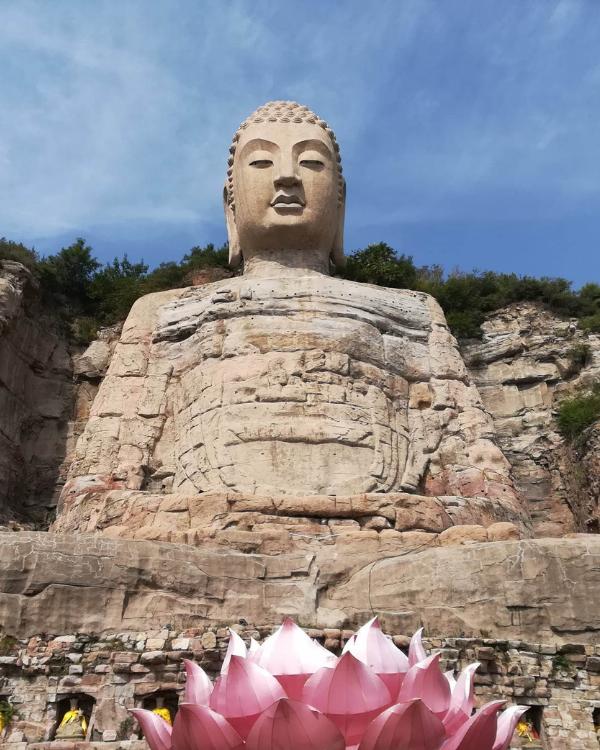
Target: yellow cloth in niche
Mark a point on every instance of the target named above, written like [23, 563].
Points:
[525, 730]
[164, 713]
[74, 715]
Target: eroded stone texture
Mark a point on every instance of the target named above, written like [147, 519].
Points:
[35, 400]
[528, 362]
[295, 385]
[269, 522]
[287, 381]
[542, 590]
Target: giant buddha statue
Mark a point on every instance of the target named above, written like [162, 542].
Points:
[287, 379]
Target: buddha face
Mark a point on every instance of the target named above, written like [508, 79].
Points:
[286, 188]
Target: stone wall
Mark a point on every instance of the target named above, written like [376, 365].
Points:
[123, 670]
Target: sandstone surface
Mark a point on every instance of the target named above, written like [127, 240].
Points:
[289, 386]
[543, 590]
[527, 362]
[36, 395]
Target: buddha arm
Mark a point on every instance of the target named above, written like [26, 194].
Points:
[128, 414]
[452, 446]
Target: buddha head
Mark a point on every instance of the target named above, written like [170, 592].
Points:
[284, 192]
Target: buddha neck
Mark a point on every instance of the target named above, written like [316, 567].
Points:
[270, 263]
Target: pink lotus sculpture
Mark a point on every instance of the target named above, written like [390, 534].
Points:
[290, 693]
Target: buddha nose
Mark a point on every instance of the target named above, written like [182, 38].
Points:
[286, 174]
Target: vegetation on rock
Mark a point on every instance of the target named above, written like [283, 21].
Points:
[576, 414]
[88, 295]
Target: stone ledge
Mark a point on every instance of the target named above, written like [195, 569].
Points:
[198, 519]
[514, 590]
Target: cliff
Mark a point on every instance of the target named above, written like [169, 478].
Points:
[46, 390]
[36, 395]
[526, 363]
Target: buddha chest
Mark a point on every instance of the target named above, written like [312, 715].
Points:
[293, 385]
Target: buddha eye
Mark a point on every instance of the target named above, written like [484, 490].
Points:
[312, 163]
[261, 163]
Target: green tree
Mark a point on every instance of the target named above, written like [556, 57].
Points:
[208, 256]
[16, 251]
[116, 287]
[67, 278]
[578, 413]
[380, 264]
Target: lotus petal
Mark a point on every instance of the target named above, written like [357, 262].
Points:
[201, 728]
[243, 693]
[425, 681]
[235, 647]
[350, 694]
[198, 686]
[377, 651]
[156, 730]
[254, 646]
[349, 643]
[405, 726]
[416, 651]
[507, 721]
[462, 700]
[290, 725]
[451, 679]
[292, 656]
[479, 732]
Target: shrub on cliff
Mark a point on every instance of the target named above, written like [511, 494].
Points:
[380, 264]
[67, 277]
[16, 251]
[577, 414]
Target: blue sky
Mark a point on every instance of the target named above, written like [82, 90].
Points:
[469, 129]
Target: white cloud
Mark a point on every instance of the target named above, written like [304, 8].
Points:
[122, 113]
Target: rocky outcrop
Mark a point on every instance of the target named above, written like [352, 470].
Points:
[47, 388]
[517, 589]
[527, 362]
[36, 395]
[274, 524]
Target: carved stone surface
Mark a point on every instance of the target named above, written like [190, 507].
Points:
[293, 385]
[272, 522]
[517, 589]
[287, 381]
[214, 388]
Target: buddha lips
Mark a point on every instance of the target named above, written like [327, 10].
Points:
[290, 693]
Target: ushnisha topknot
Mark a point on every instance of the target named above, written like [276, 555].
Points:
[281, 111]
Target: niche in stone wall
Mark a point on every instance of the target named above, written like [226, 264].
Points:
[596, 717]
[159, 701]
[530, 729]
[73, 714]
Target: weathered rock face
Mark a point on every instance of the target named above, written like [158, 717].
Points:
[527, 362]
[516, 589]
[289, 385]
[36, 394]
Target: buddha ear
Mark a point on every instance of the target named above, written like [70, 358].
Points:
[337, 251]
[235, 251]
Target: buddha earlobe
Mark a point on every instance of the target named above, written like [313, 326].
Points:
[235, 251]
[337, 251]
